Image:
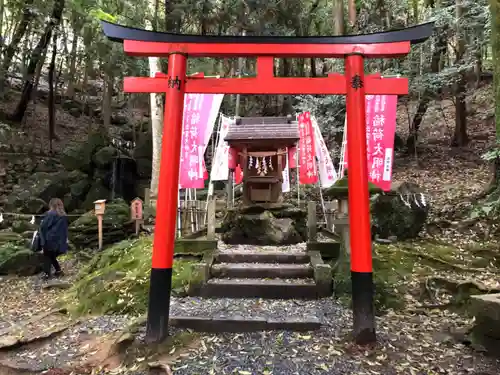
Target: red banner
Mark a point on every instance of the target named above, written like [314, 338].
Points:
[380, 131]
[232, 158]
[292, 157]
[238, 175]
[308, 172]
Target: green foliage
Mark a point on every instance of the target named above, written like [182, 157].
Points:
[7, 250]
[388, 270]
[489, 208]
[117, 280]
[101, 15]
[491, 155]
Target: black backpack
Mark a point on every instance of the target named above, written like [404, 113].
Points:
[36, 242]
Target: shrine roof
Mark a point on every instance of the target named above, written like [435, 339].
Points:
[263, 128]
[414, 34]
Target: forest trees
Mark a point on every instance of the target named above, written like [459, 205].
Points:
[495, 50]
[445, 67]
[36, 56]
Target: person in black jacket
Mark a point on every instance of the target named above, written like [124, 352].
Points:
[54, 237]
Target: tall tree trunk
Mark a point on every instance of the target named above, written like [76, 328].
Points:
[52, 104]
[460, 138]
[171, 23]
[478, 55]
[55, 19]
[338, 17]
[495, 51]
[156, 103]
[38, 73]
[352, 12]
[423, 104]
[204, 17]
[11, 50]
[107, 96]
[71, 78]
[495, 54]
[2, 9]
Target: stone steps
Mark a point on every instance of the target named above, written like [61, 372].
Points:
[261, 288]
[262, 257]
[265, 287]
[262, 270]
[248, 315]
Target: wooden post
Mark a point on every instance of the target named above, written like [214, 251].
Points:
[229, 189]
[211, 220]
[311, 222]
[147, 197]
[136, 214]
[344, 229]
[199, 210]
[330, 208]
[99, 208]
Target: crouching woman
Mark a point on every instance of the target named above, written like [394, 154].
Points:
[53, 237]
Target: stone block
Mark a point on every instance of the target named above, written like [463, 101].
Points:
[191, 246]
[328, 250]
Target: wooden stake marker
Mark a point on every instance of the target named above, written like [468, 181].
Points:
[99, 208]
[136, 213]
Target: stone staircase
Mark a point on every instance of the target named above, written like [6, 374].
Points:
[281, 275]
[257, 290]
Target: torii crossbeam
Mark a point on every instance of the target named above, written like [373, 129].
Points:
[354, 84]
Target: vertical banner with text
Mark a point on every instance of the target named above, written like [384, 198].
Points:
[327, 173]
[380, 131]
[198, 121]
[285, 185]
[220, 164]
[307, 162]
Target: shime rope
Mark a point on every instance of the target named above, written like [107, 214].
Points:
[26, 216]
[416, 197]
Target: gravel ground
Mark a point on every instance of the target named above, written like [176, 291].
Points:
[298, 248]
[298, 266]
[69, 347]
[321, 310]
[259, 281]
[406, 346]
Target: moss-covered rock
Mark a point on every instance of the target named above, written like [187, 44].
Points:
[402, 213]
[21, 226]
[143, 154]
[104, 157]
[80, 157]
[117, 280]
[340, 189]
[16, 259]
[33, 194]
[80, 188]
[97, 191]
[117, 226]
[279, 224]
[8, 235]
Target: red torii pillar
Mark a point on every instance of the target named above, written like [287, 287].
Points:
[354, 85]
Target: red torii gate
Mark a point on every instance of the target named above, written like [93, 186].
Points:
[354, 84]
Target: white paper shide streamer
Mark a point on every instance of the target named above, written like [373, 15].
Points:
[285, 186]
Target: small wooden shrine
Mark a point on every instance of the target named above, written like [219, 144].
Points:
[259, 145]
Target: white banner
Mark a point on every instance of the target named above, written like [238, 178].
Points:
[285, 185]
[327, 174]
[220, 164]
[212, 118]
